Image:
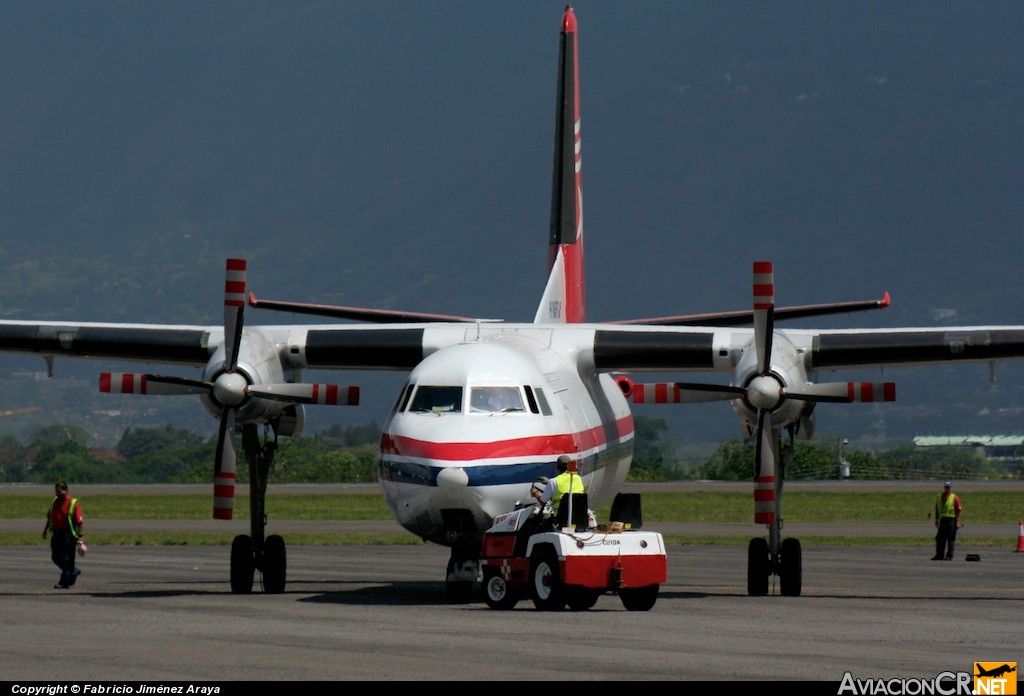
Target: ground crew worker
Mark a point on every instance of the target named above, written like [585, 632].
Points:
[947, 521]
[64, 519]
[568, 480]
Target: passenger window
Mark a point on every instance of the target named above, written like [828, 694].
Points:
[495, 400]
[437, 400]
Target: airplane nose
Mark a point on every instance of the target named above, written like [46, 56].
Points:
[452, 478]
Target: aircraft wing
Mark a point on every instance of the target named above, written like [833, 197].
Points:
[745, 317]
[920, 346]
[360, 347]
[719, 350]
[402, 346]
[380, 316]
[188, 345]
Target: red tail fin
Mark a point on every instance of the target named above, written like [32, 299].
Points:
[564, 298]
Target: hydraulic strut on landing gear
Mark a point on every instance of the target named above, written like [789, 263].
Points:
[257, 552]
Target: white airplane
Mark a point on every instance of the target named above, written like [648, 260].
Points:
[488, 405]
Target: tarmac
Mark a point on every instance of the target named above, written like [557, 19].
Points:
[166, 613]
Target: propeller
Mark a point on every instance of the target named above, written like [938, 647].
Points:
[764, 389]
[230, 390]
[764, 393]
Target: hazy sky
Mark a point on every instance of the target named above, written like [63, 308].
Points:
[399, 154]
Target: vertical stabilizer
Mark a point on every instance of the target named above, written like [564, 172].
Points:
[563, 300]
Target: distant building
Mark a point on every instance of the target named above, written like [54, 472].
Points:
[1001, 447]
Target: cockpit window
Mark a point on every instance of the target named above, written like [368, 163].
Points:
[531, 399]
[495, 400]
[403, 398]
[437, 400]
[543, 400]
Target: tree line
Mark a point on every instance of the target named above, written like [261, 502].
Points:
[349, 454]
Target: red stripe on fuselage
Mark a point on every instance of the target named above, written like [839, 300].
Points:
[540, 445]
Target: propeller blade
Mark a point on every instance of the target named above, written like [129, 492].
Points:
[843, 392]
[138, 383]
[764, 470]
[764, 308]
[683, 393]
[763, 452]
[695, 392]
[234, 310]
[327, 394]
[224, 468]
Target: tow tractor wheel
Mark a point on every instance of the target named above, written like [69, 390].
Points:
[497, 593]
[275, 565]
[639, 598]
[791, 571]
[581, 598]
[546, 587]
[758, 567]
[243, 564]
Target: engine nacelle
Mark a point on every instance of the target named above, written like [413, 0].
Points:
[807, 424]
[625, 385]
[292, 421]
[257, 364]
[785, 370]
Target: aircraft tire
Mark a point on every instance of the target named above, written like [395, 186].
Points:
[791, 571]
[243, 564]
[497, 593]
[758, 567]
[546, 587]
[275, 565]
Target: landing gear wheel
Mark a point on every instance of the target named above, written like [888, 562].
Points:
[639, 598]
[275, 565]
[497, 593]
[791, 571]
[243, 564]
[758, 567]
[546, 587]
[581, 598]
[457, 591]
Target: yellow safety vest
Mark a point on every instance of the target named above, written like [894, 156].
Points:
[564, 482]
[947, 507]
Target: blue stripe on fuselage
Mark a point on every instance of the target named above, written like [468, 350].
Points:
[482, 475]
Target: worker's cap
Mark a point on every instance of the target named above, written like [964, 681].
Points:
[564, 459]
[947, 484]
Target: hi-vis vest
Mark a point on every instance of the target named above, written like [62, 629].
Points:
[563, 481]
[946, 508]
[71, 516]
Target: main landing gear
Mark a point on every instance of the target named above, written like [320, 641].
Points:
[256, 552]
[786, 563]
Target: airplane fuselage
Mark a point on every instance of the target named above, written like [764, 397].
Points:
[449, 463]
